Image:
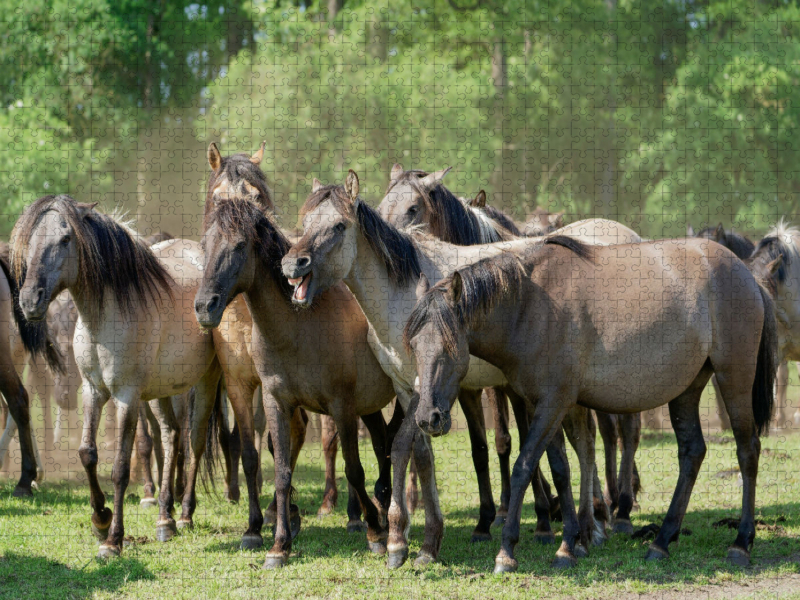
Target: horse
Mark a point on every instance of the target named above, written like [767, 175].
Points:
[239, 175]
[622, 353]
[21, 340]
[346, 240]
[243, 248]
[420, 199]
[134, 340]
[540, 222]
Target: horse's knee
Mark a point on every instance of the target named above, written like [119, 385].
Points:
[88, 455]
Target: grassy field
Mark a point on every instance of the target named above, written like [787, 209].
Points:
[47, 549]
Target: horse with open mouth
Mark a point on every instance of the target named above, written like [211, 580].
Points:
[668, 316]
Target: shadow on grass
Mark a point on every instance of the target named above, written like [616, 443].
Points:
[38, 577]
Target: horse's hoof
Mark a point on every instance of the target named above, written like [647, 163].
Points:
[397, 558]
[623, 526]
[275, 561]
[499, 521]
[656, 553]
[166, 530]
[599, 536]
[294, 524]
[252, 541]
[148, 502]
[581, 551]
[545, 538]
[22, 492]
[424, 559]
[232, 496]
[378, 548]
[185, 524]
[325, 509]
[270, 517]
[504, 564]
[738, 557]
[356, 526]
[564, 560]
[480, 537]
[106, 551]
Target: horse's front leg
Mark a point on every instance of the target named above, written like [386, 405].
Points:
[399, 523]
[168, 424]
[144, 451]
[19, 410]
[280, 432]
[93, 402]
[127, 416]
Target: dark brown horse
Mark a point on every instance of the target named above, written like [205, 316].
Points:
[318, 359]
[622, 354]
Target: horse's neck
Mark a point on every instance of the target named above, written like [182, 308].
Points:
[269, 307]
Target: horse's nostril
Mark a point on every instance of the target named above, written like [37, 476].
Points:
[435, 420]
[303, 261]
[39, 296]
[212, 304]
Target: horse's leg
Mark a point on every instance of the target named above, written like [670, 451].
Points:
[110, 426]
[127, 415]
[259, 427]
[544, 503]
[9, 430]
[607, 425]
[19, 409]
[796, 416]
[205, 396]
[144, 450]
[158, 445]
[685, 416]
[347, 425]
[298, 428]
[724, 421]
[330, 448]
[93, 402]
[168, 424]
[412, 490]
[502, 443]
[581, 432]
[379, 435]
[470, 401]
[399, 523]
[630, 427]
[781, 390]
[181, 411]
[544, 425]
[230, 443]
[279, 428]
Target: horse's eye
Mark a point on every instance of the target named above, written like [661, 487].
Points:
[413, 210]
[240, 247]
[339, 228]
[66, 240]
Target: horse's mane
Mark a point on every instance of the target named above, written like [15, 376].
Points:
[36, 337]
[240, 169]
[778, 242]
[482, 285]
[737, 243]
[110, 255]
[395, 248]
[242, 216]
[451, 221]
[502, 219]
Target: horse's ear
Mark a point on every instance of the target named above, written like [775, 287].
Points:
[397, 170]
[316, 185]
[423, 285]
[433, 178]
[456, 289]
[479, 201]
[689, 230]
[258, 156]
[773, 267]
[719, 234]
[84, 208]
[351, 185]
[214, 157]
[556, 219]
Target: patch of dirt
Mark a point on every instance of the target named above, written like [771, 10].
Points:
[762, 525]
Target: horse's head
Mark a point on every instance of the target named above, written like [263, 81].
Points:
[45, 251]
[440, 347]
[408, 200]
[237, 176]
[326, 252]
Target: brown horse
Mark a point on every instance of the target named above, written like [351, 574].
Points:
[243, 249]
[134, 340]
[622, 354]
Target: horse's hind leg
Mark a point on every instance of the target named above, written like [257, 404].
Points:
[724, 421]
[379, 435]
[630, 431]
[260, 427]
[502, 443]
[168, 423]
[685, 416]
[231, 445]
[330, 448]
[470, 401]
[297, 431]
[607, 425]
[144, 450]
[19, 409]
[781, 390]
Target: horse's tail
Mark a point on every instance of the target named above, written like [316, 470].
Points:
[216, 423]
[36, 337]
[767, 365]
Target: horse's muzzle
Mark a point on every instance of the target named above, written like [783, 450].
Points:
[33, 305]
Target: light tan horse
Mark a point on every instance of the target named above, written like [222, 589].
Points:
[136, 337]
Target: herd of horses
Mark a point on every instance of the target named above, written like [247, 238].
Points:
[428, 299]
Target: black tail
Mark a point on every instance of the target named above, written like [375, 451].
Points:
[35, 335]
[767, 365]
[211, 454]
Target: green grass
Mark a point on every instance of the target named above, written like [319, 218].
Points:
[47, 549]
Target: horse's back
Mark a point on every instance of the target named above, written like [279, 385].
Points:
[600, 232]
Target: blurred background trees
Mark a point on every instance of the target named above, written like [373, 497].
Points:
[653, 114]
